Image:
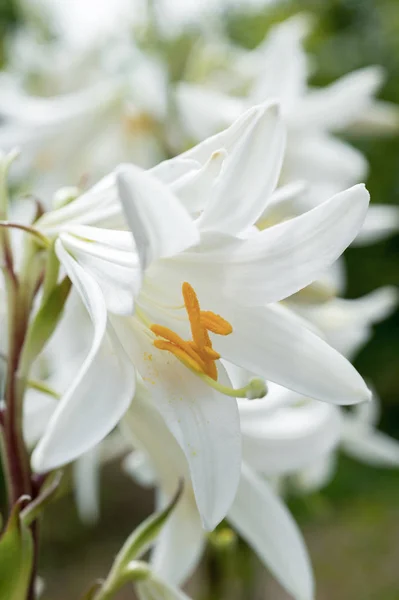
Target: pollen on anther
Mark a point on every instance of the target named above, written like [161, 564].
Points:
[215, 323]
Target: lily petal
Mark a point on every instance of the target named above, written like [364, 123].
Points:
[289, 439]
[289, 256]
[263, 521]
[179, 547]
[109, 256]
[160, 225]
[323, 160]
[227, 139]
[101, 391]
[370, 446]
[249, 175]
[382, 220]
[195, 188]
[282, 65]
[271, 342]
[204, 422]
[86, 478]
[337, 105]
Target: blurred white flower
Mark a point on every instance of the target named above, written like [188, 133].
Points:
[278, 69]
[77, 136]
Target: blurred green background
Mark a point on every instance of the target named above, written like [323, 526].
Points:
[352, 527]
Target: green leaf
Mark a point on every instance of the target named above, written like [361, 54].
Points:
[141, 539]
[92, 592]
[126, 568]
[16, 556]
[47, 494]
[46, 320]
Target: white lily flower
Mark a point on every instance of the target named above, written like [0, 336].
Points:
[347, 323]
[278, 69]
[80, 135]
[363, 442]
[257, 513]
[170, 267]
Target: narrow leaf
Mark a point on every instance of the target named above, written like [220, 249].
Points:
[16, 556]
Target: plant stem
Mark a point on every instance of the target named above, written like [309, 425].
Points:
[17, 457]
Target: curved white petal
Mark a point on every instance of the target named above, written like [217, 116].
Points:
[109, 256]
[290, 438]
[101, 391]
[370, 446]
[194, 189]
[37, 412]
[160, 225]
[227, 139]
[269, 341]
[277, 262]
[337, 105]
[112, 264]
[318, 474]
[169, 171]
[86, 485]
[323, 160]
[263, 521]
[139, 468]
[98, 206]
[382, 220]
[204, 422]
[281, 64]
[180, 544]
[379, 118]
[203, 111]
[249, 175]
[347, 323]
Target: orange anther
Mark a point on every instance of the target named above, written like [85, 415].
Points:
[197, 353]
[176, 340]
[194, 314]
[215, 323]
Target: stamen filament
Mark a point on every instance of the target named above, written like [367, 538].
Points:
[180, 354]
[176, 340]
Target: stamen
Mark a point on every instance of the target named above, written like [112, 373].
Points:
[211, 370]
[211, 353]
[180, 354]
[215, 323]
[194, 314]
[197, 354]
[176, 340]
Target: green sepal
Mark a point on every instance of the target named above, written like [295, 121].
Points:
[16, 556]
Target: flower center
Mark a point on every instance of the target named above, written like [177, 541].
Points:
[197, 354]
